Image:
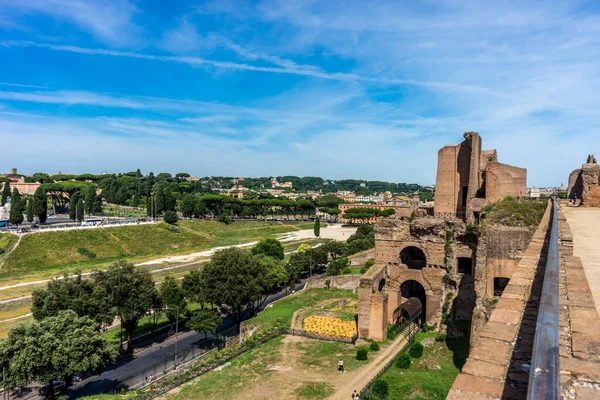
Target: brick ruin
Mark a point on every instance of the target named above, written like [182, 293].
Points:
[468, 179]
[584, 184]
[443, 259]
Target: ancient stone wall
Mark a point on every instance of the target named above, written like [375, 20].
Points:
[584, 184]
[506, 338]
[348, 282]
[579, 325]
[446, 192]
[505, 180]
[358, 259]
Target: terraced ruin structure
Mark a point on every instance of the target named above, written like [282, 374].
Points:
[584, 184]
[442, 258]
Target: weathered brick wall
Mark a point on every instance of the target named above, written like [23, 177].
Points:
[579, 325]
[358, 259]
[486, 372]
[349, 282]
[505, 180]
[446, 192]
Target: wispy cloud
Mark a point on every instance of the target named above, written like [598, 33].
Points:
[311, 72]
[108, 20]
[22, 85]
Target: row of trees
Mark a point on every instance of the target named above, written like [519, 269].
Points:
[32, 206]
[363, 214]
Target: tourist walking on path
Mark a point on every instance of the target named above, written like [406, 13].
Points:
[341, 366]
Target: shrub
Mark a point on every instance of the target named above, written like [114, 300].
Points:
[427, 328]
[328, 283]
[336, 267]
[362, 354]
[86, 253]
[403, 361]
[441, 338]
[224, 218]
[171, 217]
[374, 346]
[380, 388]
[368, 264]
[416, 350]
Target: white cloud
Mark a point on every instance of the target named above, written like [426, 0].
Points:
[108, 20]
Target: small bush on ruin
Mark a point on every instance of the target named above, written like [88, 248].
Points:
[381, 388]
[362, 354]
[416, 350]
[403, 361]
[374, 346]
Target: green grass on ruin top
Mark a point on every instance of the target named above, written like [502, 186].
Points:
[517, 213]
[54, 253]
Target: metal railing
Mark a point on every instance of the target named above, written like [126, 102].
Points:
[544, 376]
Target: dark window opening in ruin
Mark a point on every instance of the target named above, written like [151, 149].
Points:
[414, 289]
[465, 266]
[381, 284]
[465, 193]
[499, 285]
[413, 258]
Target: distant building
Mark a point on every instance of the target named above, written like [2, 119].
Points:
[192, 179]
[363, 184]
[368, 199]
[276, 184]
[533, 193]
[401, 201]
[348, 197]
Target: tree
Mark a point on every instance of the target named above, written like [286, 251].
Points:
[317, 227]
[173, 298]
[192, 287]
[29, 211]
[231, 279]
[93, 203]
[273, 275]
[270, 247]
[130, 291]
[73, 205]
[84, 296]
[171, 217]
[204, 321]
[337, 267]
[335, 248]
[17, 207]
[6, 192]
[40, 204]
[56, 348]
[80, 208]
[187, 205]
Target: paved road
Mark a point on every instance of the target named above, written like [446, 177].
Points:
[152, 361]
[585, 226]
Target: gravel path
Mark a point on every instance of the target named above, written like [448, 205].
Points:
[585, 225]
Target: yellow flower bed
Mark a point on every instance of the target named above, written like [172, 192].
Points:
[330, 326]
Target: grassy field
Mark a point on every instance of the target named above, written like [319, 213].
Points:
[57, 252]
[431, 376]
[7, 241]
[284, 367]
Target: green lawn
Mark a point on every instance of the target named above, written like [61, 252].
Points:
[431, 376]
[281, 312]
[57, 252]
[7, 241]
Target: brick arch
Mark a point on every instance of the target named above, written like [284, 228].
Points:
[414, 244]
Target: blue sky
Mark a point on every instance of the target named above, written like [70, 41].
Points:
[347, 89]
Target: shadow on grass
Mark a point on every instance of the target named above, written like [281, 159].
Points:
[459, 344]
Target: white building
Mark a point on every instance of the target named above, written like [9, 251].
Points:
[533, 192]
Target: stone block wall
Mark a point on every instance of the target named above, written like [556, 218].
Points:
[495, 367]
[349, 282]
[579, 325]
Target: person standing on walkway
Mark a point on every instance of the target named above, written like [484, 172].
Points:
[341, 366]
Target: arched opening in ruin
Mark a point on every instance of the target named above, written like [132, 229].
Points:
[412, 288]
[464, 266]
[500, 285]
[413, 257]
[381, 285]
